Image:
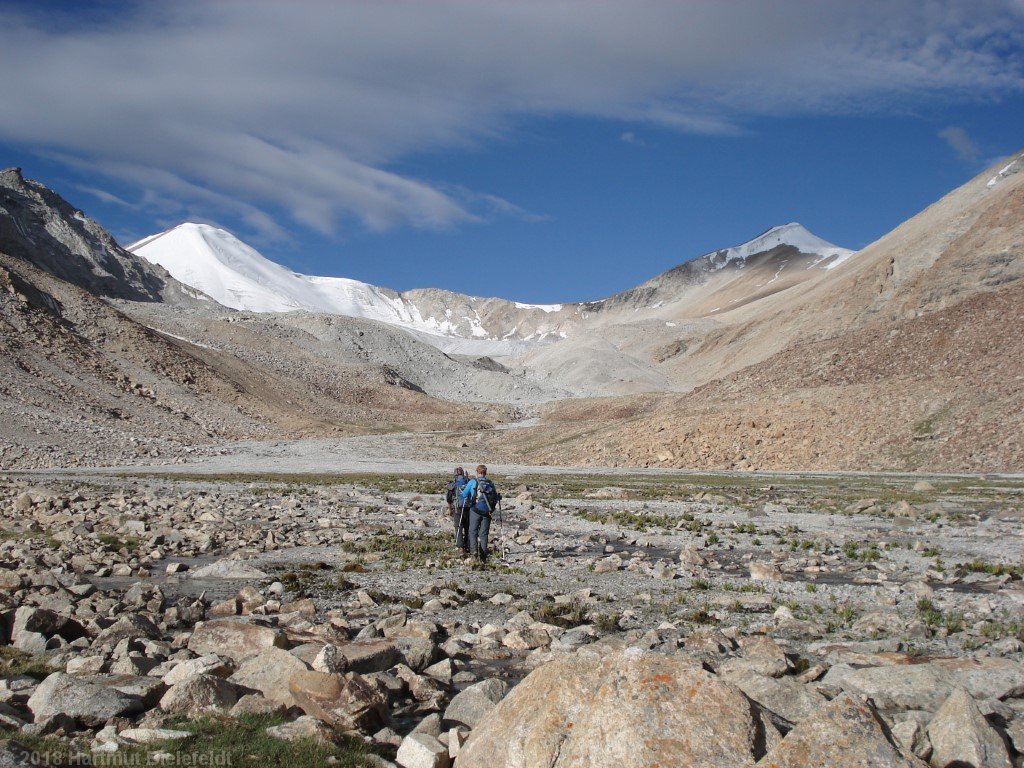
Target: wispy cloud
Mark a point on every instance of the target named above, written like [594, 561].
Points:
[958, 140]
[243, 107]
[629, 137]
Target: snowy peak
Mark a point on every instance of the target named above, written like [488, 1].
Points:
[793, 235]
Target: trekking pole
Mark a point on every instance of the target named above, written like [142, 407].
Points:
[501, 529]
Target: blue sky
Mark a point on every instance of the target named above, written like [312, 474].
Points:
[539, 151]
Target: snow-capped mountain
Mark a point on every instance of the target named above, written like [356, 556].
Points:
[236, 275]
[792, 234]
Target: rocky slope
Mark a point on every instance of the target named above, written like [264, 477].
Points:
[907, 356]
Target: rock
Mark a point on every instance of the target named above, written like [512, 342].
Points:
[9, 580]
[923, 486]
[783, 696]
[913, 738]
[420, 750]
[365, 656]
[763, 655]
[33, 627]
[211, 664]
[131, 626]
[842, 734]
[152, 735]
[608, 564]
[238, 640]
[330, 659]
[229, 569]
[86, 701]
[526, 639]
[764, 572]
[417, 652]
[15, 755]
[304, 727]
[269, 672]
[471, 705]
[927, 686]
[257, 704]
[199, 695]
[960, 735]
[346, 702]
[632, 709]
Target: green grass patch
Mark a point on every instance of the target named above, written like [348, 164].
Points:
[216, 741]
[16, 662]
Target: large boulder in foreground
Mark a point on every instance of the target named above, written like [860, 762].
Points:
[238, 640]
[630, 710]
[88, 702]
[960, 735]
[346, 702]
[845, 733]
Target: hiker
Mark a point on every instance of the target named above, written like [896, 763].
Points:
[458, 508]
[483, 498]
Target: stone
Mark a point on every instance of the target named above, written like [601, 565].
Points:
[365, 656]
[844, 733]
[346, 702]
[130, 626]
[629, 710]
[303, 728]
[783, 696]
[152, 735]
[9, 580]
[330, 659]
[238, 640]
[32, 627]
[16, 755]
[763, 655]
[199, 695]
[269, 672]
[927, 686]
[257, 704]
[526, 639]
[764, 572]
[417, 652]
[79, 698]
[960, 735]
[471, 705]
[913, 738]
[210, 664]
[420, 750]
[923, 486]
[229, 569]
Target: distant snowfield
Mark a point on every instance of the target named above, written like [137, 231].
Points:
[240, 277]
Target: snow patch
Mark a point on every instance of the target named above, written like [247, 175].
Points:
[792, 234]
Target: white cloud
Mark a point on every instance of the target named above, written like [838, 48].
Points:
[631, 138]
[961, 143]
[238, 106]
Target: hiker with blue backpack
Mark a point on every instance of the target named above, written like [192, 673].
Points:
[458, 508]
[483, 499]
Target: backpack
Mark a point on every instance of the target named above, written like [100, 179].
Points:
[455, 489]
[487, 496]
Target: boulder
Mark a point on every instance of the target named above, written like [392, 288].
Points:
[844, 733]
[783, 696]
[960, 735]
[632, 709]
[199, 695]
[927, 686]
[421, 750]
[210, 664]
[764, 572]
[366, 656]
[269, 672]
[131, 626]
[32, 627]
[303, 728]
[229, 569]
[346, 702]
[238, 640]
[763, 655]
[86, 701]
[471, 705]
[152, 735]
[15, 755]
